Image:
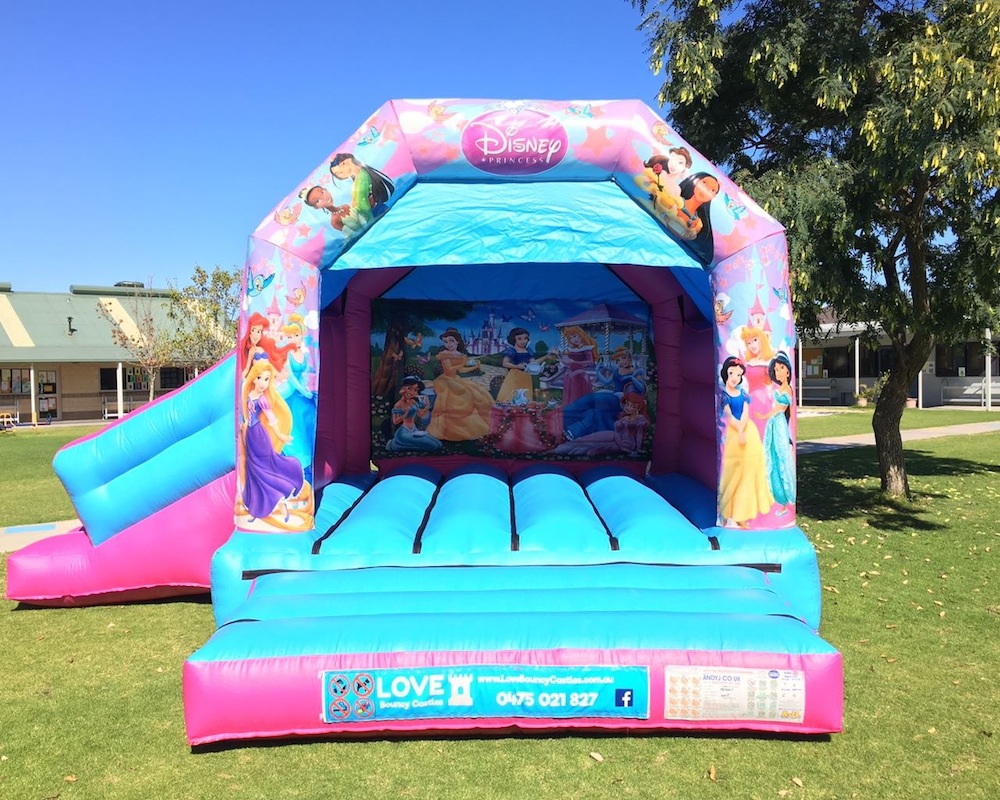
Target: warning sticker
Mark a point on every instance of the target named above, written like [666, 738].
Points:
[694, 693]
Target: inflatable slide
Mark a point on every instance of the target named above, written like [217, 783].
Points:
[153, 492]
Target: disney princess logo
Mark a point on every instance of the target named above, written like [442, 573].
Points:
[523, 142]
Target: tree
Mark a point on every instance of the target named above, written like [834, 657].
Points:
[206, 314]
[137, 326]
[871, 130]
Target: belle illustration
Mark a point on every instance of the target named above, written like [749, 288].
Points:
[662, 178]
[295, 390]
[461, 407]
[579, 358]
[273, 484]
[779, 453]
[743, 489]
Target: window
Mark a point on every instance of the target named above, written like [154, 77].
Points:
[15, 381]
[838, 362]
[172, 377]
[109, 379]
[966, 360]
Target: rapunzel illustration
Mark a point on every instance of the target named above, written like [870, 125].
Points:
[579, 358]
[779, 453]
[743, 489]
[461, 407]
[273, 484]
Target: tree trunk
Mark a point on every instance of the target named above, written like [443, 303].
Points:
[888, 440]
[389, 374]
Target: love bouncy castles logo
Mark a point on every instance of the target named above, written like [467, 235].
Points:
[514, 142]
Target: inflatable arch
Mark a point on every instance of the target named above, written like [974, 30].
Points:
[514, 447]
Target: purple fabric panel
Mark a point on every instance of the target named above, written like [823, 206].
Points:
[653, 284]
[700, 432]
[357, 373]
[670, 422]
[331, 422]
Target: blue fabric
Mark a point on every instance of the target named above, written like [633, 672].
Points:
[154, 456]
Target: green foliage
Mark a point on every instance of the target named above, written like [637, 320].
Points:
[206, 313]
[872, 132]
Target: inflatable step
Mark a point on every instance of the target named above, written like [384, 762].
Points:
[336, 665]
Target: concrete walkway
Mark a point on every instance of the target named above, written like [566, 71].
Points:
[866, 439]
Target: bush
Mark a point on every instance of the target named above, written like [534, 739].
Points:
[870, 394]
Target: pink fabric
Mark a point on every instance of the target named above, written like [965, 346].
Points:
[279, 697]
[168, 553]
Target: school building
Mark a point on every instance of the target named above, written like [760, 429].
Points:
[833, 368]
[59, 361]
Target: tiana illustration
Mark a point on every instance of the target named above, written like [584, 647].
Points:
[409, 418]
[370, 192]
[743, 489]
[257, 345]
[779, 454]
[272, 483]
[579, 358]
[517, 360]
[320, 197]
[461, 407]
[296, 392]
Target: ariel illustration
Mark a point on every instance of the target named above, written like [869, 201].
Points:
[256, 345]
[370, 192]
[273, 485]
[461, 407]
[579, 358]
[743, 489]
[779, 454]
[295, 390]
[319, 197]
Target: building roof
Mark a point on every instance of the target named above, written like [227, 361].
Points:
[44, 327]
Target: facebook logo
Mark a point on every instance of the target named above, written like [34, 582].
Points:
[623, 698]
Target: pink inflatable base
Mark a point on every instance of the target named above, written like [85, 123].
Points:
[168, 554]
[280, 697]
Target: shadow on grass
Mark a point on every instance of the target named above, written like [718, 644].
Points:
[840, 484]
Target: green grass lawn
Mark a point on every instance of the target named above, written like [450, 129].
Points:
[90, 698]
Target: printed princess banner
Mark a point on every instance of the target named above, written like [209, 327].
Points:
[552, 379]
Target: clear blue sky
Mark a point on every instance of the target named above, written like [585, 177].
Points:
[138, 139]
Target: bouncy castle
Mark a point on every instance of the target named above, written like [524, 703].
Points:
[507, 443]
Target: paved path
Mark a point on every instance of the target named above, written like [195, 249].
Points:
[863, 439]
